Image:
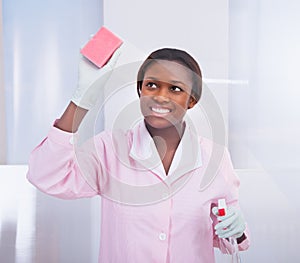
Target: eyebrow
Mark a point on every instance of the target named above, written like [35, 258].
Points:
[172, 81]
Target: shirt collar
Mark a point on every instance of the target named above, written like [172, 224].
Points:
[187, 156]
[142, 143]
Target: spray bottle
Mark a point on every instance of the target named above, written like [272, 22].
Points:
[222, 210]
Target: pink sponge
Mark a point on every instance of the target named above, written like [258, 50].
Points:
[101, 47]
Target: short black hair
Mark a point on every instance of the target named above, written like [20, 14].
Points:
[176, 55]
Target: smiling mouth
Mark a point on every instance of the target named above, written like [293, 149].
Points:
[160, 110]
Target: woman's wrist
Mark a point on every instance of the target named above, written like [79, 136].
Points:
[71, 118]
[241, 238]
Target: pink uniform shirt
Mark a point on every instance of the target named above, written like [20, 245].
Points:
[147, 216]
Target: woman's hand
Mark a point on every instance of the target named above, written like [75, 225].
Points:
[230, 225]
[91, 80]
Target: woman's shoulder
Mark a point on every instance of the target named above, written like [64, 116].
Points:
[212, 149]
[117, 136]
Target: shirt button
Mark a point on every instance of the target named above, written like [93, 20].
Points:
[162, 236]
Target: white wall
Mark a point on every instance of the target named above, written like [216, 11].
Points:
[41, 50]
[264, 125]
[41, 43]
[2, 98]
[265, 113]
[35, 227]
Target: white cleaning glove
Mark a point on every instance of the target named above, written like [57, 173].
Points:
[91, 80]
[230, 225]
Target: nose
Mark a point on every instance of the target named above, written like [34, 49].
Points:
[162, 96]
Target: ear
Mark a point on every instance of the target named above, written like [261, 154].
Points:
[192, 102]
[139, 90]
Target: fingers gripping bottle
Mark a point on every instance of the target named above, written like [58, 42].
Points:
[222, 211]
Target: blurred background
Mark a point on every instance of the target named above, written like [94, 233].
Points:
[249, 52]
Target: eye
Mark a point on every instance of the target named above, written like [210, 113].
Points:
[151, 85]
[176, 89]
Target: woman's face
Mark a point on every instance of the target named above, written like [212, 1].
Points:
[165, 95]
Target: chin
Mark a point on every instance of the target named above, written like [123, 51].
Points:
[160, 123]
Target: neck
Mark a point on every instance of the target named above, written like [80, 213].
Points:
[170, 135]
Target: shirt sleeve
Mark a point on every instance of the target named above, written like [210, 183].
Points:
[229, 185]
[53, 167]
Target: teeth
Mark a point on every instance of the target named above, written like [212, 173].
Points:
[160, 110]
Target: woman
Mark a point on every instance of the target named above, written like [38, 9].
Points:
[149, 175]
